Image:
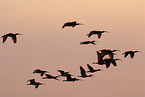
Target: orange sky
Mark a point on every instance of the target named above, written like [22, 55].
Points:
[46, 46]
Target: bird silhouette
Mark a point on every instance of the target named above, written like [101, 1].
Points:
[70, 79]
[99, 33]
[40, 71]
[108, 52]
[63, 73]
[92, 70]
[107, 62]
[83, 73]
[33, 82]
[88, 42]
[100, 56]
[13, 36]
[48, 76]
[71, 24]
[132, 53]
[111, 53]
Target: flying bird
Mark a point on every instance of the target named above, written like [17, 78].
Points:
[88, 42]
[83, 73]
[63, 73]
[13, 36]
[33, 82]
[40, 71]
[92, 70]
[48, 76]
[107, 62]
[70, 79]
[99, 33]
[108, 52]
[71, 24]
[111, 53]
[132, 53]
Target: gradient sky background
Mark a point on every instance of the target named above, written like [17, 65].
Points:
[46, 46]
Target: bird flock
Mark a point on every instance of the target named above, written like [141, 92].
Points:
[104, 57]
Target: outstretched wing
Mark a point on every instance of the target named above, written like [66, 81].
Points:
[14, 38]
[4, 38]
[90, 68]
[83, 72]
[99, 35]
[107, 63]
[126, 54]
[131, 55]
[114, 62]
[36, 86]
[89, 35]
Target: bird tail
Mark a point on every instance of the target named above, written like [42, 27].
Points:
[93, 42]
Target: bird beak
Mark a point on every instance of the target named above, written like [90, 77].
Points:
[43, 84]
[19, 34]
[80, 24]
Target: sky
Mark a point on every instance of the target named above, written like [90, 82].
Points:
[45, 45]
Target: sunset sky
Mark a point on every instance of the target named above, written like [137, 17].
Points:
[45, 45]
